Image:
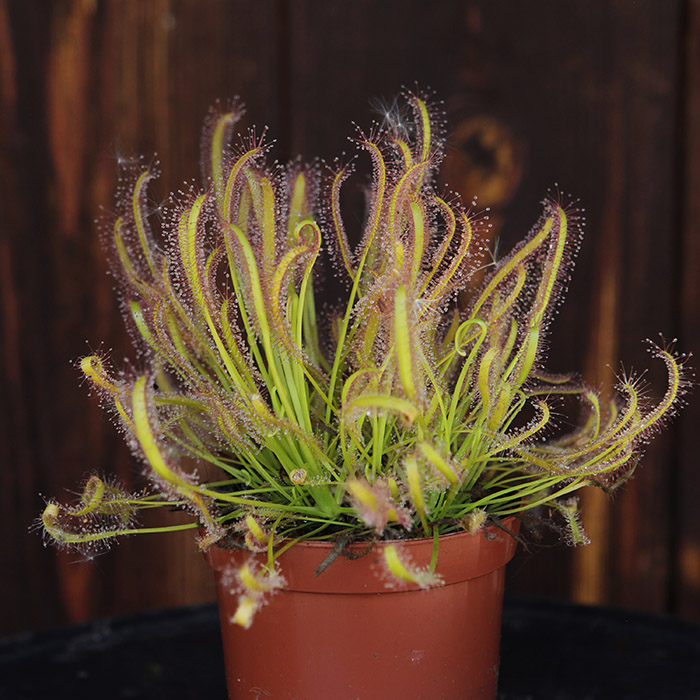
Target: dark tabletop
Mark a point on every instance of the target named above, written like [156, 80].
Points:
[550, 651]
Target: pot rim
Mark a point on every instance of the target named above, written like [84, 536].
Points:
[461, 557]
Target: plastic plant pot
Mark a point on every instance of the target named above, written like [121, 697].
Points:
[344, 634]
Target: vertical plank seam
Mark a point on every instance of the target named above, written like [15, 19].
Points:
[680, 217]
[283, 10]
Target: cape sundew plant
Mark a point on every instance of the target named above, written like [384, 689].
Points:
[417, 406]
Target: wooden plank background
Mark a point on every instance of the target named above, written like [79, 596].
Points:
[600, 97]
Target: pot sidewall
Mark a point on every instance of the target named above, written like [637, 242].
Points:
[348, 636]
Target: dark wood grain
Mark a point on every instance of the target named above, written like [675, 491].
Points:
[601, 98]
[684, 511]
[30, 586]
[85, 85]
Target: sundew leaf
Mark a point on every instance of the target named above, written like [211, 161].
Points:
[404, 350]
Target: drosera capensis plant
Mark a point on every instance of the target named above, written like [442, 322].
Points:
[402, 412]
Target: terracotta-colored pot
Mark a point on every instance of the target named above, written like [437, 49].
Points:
[343, 635]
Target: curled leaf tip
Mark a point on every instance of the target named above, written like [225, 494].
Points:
[404, 572]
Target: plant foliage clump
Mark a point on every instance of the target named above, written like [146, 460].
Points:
[417, 406]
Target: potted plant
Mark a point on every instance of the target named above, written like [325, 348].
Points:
[349, 456]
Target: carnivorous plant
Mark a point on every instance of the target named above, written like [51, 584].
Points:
[418, 405]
